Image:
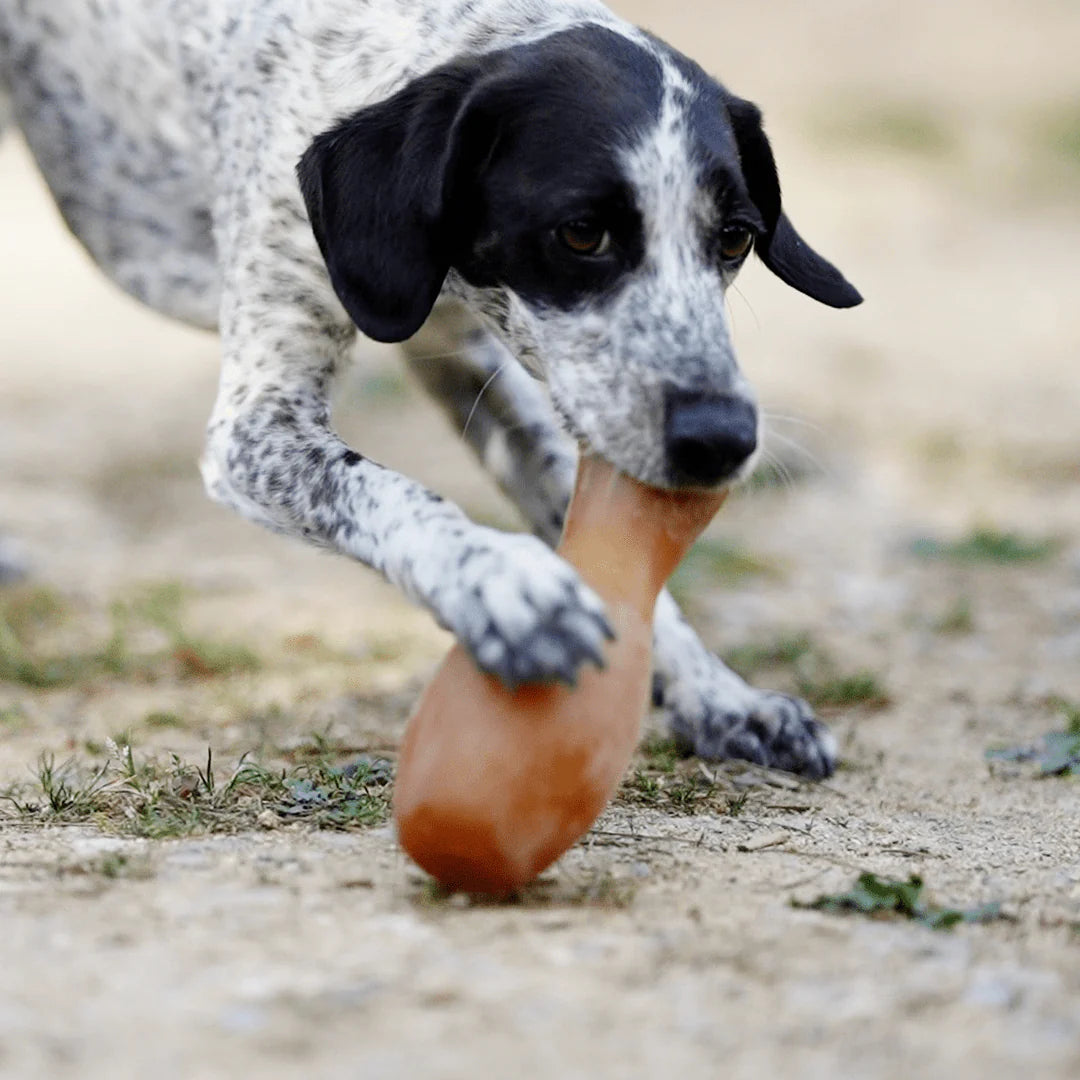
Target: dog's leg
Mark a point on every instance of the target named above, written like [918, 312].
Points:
[271, 454]
[715, 714]
[501, 412]
[506, 418]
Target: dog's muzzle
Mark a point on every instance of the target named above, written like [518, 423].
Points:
[707, 437]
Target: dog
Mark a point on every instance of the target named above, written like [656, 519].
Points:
[543, 203]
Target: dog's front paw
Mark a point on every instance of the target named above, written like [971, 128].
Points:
[523, 612]
[721, 717]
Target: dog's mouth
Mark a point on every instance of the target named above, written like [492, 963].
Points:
[655, 472]
[678, 441]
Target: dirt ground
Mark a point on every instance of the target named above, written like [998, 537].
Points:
[934, 154]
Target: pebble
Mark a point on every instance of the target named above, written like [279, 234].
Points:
[765, 840]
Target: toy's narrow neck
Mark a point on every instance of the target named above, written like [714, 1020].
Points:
[626, 538]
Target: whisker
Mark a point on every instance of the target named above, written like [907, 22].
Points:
[733, 288]
[476, 404]
[802, 451]
[787, 418]
[781, 469]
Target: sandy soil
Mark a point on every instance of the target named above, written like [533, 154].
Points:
[918, 150]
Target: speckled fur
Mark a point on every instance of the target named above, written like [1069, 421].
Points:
[606, 366]
[169, 131]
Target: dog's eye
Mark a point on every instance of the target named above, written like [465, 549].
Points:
[735, 243]
[584, 237]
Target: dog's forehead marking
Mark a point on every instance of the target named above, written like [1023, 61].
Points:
[677, 281]
[675, 204]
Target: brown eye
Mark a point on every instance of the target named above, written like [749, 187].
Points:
[584, 237]
[735, 243]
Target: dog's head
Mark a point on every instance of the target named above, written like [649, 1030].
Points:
[592, 195]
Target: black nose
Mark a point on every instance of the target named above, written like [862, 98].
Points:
[707, 436]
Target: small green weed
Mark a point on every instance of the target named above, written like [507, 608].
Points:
[163, 720]
[986, 545]
[885, 898]
[641, 787]
[1057, 753]
[1070, 714]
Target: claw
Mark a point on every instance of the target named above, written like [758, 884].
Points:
[772, 730]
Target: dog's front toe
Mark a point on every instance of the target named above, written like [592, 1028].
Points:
[559, 643]
[718, 717]
[773, 729]
[525, 615]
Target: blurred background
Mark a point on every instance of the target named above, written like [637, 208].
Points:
[908, 559]
[932, 152]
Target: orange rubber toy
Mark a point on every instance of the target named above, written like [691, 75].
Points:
[493, 785]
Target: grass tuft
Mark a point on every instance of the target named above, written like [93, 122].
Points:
[664, 778]
[153, 798]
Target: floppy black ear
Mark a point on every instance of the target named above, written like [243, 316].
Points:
[377, 187]
[781, 248]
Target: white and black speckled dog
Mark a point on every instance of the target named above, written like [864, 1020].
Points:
[569, 194]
